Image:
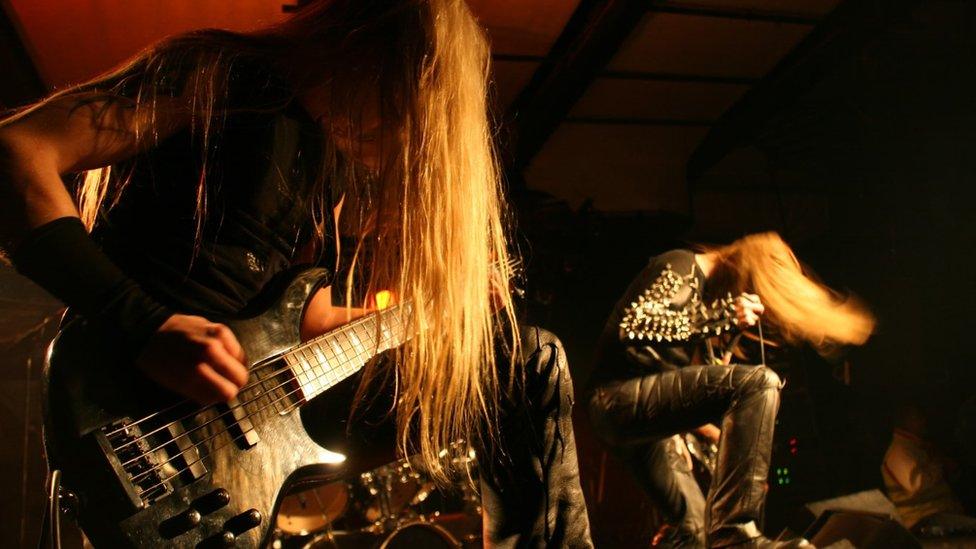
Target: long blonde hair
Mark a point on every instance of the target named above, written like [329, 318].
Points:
[434, 222]
[798, 307]
[435, 230]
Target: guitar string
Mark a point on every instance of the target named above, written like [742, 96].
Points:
[150, 416]
[272, 362]
[269, 363]
[201, 443]
[196, 411]
[197, 445]
[250, 415]
[336, 370]
[513, 265]
[233, 439]
[259, 384]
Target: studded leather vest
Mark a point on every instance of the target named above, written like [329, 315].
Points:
[663, 321]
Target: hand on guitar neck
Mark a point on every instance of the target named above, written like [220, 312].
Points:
[322, 316]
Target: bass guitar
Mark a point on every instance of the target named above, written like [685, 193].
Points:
[147, 469]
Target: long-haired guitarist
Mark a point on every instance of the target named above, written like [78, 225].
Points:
[663, 367]
[211, 162]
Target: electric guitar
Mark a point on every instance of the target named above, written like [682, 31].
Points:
[147, 469]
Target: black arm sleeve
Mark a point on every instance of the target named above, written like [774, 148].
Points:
[61, 258]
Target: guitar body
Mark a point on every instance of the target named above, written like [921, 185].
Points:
[149, 471]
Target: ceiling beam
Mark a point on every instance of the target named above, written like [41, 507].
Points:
[517, 57]
[841, 35]
[21, 83]
[734, 13]
[749, 188]
[677, 77]
[636, 121]
[591, 37]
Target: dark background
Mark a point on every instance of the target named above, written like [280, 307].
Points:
[863, 156]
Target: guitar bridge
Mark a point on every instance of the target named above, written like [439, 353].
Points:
[148, 460]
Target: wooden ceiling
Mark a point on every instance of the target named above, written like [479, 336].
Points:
[626, 141]
[623, 141]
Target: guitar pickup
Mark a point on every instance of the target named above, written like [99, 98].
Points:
[186, 458]
[238, 424]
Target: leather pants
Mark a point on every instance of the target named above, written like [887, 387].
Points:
[530, 487]
[663, 471]
[637, 415]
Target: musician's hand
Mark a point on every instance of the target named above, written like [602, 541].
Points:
[748, 308]
[196, 358]
[710, 431]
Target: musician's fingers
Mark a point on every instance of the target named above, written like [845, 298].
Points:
[747, 317]
[224, 364]
[751, 302]
[227, 337]
[208, 386]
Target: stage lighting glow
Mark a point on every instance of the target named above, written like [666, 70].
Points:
[383, 299]
[330, 457]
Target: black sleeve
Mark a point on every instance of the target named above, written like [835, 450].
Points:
[663, 305]
[61, 258]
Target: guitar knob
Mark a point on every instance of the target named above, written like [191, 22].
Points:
[191, 518]
[228, 539]
[180, 524]
[244, 521]
[210, 502]
[223, 539]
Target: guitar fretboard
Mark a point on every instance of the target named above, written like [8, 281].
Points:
[325, 361]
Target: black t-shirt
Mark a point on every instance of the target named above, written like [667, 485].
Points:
[259, 175]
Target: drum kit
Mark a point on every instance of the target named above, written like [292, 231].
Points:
[396, 506]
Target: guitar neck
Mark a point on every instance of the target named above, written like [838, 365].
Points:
[325, 361]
